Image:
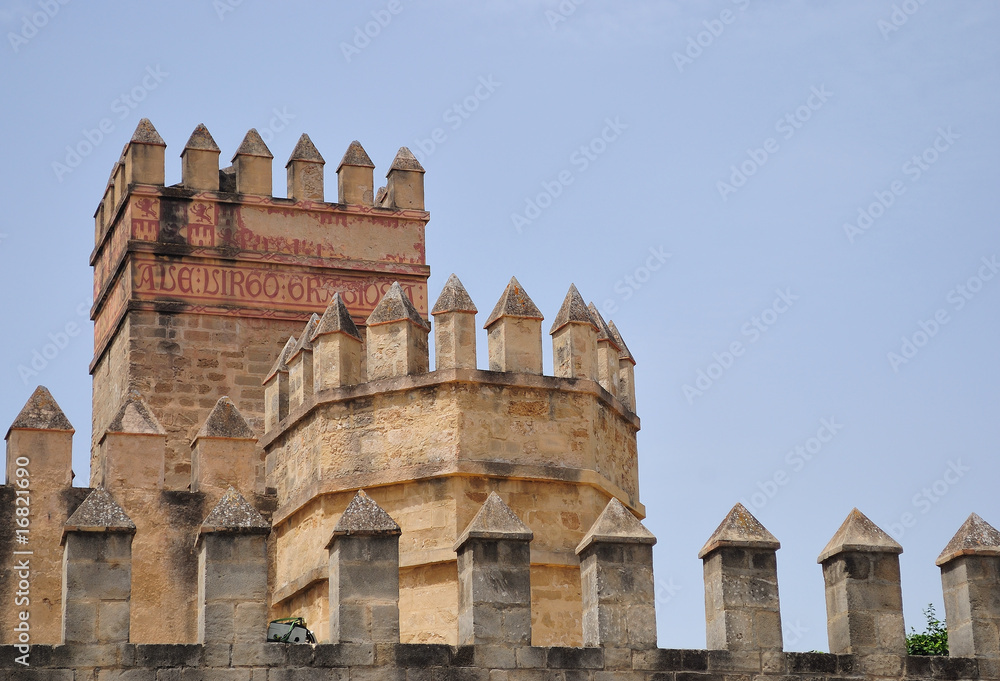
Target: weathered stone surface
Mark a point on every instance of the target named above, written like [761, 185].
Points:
[363, 517]
[454, 298]
[281, 361]
[616, 571]
[395, 307]
[404, 160]
[234, 513]
[625, 353]
[364, 575]
[864, 602]
[858, 533]
[145, 133]
[253, 145]
[336, 319]
[226, 421]
[495, 520]
[305, 150]
[742, 610]
[41, 412]
[135, 417]
[975, 537]
[603, 331]
[355, 156]
[305, 339]
[514, 302]
[616, 525]
[740, 528]
[970, 576]
[202, 140]
[100, 513]
[572, 311]
[454, 327]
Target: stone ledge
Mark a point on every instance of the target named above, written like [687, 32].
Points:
[464, 468]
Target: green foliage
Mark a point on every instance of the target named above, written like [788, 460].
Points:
[934, 641]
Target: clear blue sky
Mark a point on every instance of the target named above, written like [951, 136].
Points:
[814, 182]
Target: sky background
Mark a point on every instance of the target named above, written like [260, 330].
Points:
[617, 122]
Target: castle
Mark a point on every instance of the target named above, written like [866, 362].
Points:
[269, 441]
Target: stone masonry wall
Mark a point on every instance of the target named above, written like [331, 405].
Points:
[182, 364]
[424, 662]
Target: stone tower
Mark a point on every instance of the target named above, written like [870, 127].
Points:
[199, 284]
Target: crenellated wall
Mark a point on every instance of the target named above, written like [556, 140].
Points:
[495, 604]
[429, 519]
[430, 445]
[197, 285]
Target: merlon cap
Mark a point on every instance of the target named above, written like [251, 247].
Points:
[355, 156]
[364, 518]
[135, 418]
[201, 139]
[305, 150]
[234, 514]
[572, 311]
[336, 319]
[281, 363]
[41, 412]
[616, 525]
[603, 332]
[253, 145]
[495, 520]
[976, 537]
[405, 160]
[395, 306]
[454, 298]
[226, 421]
[305, 338]
[623, 351]
[514, 302]
[145, 133]
[740, 529]
[859, 534]
[99, 513]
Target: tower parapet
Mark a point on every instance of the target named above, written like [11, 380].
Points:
[197, 285]
[425, 443]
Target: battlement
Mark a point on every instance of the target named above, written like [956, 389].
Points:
[347, 409]
[198, 283]
[102, 573]
[270, 440]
